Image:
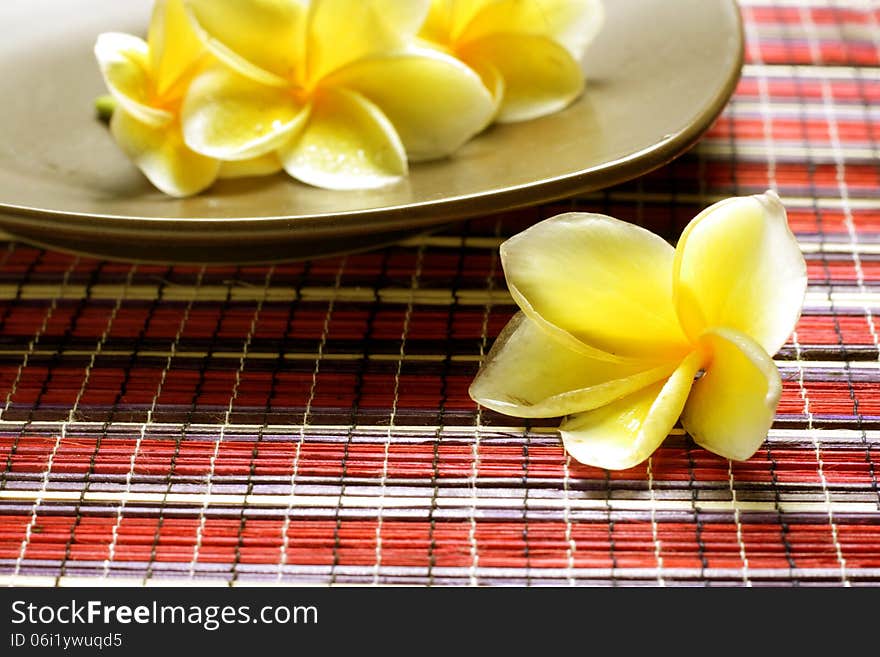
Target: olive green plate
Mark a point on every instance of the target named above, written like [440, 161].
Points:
[658, 74]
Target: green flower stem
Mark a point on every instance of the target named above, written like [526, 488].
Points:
[104, 107]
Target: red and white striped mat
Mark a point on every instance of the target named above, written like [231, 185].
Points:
[309, 423]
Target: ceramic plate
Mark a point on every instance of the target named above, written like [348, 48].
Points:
[658, 74]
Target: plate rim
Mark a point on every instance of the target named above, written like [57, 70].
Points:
[423, 213]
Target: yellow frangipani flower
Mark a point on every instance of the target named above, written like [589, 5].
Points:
[526, 51]
[336, 87]
[624, 334]
[148, 79]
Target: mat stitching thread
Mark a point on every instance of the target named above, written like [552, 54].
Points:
[355, 408]
[407, 318]
[478, 420]
[570, 543]
[873, 140]
[655, 529]
[444, 397]
[270, 397]
[840, 174]
[820, 465]
[325, 331]
[87, 478]
[184, 428]
[610, 521]
[19, 287]
[24, 363]
[698, 520]
[525, 509]
[66, 337]
[739, 525]
[209, 478]
[142, 431]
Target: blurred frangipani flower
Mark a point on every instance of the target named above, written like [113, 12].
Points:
[624, 335]
[339, 93]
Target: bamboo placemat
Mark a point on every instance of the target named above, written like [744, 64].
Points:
[310, 422]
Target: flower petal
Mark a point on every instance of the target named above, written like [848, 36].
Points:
[732, 407]
[540, 76]
[492, 80]
[404, 17]
[347, 144]
[261, 39]
[627, 431]
[528, 373]
[231, 117]
[435, 102]
[159, 152]
[447, 19]
[465, 11]
[174, 46]
[437, 27]
[341, 32]
[265, 165]
[738, 265]
[124, 61]
[571, 23]
[603, 284]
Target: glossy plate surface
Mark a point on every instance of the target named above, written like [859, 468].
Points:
[658, 74]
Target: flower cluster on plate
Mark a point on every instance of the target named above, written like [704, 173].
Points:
[341, 94]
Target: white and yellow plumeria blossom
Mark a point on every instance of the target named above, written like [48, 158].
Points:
[528, 52]
[337, 88]
[148, 80]
[624, 334]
